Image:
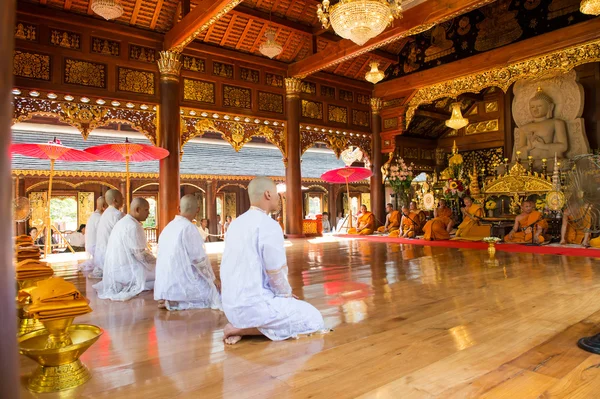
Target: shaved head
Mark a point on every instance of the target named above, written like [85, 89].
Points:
[139, 209]
[114, 197]
[263, 193]
[188, 206]
[101, 204]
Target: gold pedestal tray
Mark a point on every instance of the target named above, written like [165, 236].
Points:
[57, 350]
[26, 323]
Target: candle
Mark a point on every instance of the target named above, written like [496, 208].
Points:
[529, 157]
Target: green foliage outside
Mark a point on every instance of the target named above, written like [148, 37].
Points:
[63, 212]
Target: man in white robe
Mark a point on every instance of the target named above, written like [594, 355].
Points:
[91, 232]
[184, 276]
[257, 297]
[108, 220]
[129, 265]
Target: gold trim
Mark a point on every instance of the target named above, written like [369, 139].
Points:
[376, 105]
[293, 87]
[561, 61]
[169, 65]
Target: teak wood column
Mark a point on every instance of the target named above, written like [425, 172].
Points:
[377, 188]
[293, 175]
[21, 227]
[211, 208]
[168, 137]
[9, 377]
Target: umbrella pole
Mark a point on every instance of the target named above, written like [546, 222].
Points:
[349, 204]
[48, 238]
[127, 177]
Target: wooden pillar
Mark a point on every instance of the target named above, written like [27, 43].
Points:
[293, 175]
[168, 137]
[332, 204]
[211, 208]
[21, 227]
[9, 377]
[243, 201]
[377, 188]
[123, 190]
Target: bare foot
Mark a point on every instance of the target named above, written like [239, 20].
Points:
[162, 304]
[563, 243]
[230, 335]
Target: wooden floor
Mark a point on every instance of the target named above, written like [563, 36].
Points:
[409, 322]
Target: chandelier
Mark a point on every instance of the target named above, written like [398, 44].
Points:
[374, 75]
[270, 47]
[359, 20]
[107, 9]
[590, 7]
[456, 121]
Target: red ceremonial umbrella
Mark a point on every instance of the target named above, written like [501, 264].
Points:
[346, 175]
[54, 151]
[128, 152]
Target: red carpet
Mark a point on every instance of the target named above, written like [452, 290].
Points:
[543, 249]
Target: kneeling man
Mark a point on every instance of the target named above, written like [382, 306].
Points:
[184, 276]
[129, 265]
[529, 226]
[257, 297]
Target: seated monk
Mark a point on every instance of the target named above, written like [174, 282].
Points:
[574, 226]
[529, 226]
[365, 223]
[471, 229]
[440, 226]
[392, 220]
[409, 224]
[421, 217]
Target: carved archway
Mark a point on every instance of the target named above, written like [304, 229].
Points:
[336, 142]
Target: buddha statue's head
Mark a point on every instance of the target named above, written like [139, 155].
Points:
[541, 105]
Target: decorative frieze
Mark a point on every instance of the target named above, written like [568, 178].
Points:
[105, 47]
[142, 54]
[136, 81]
[85, 73]
[308, 88]
[223, 70]
[249, 75]
[195, 64]
[337, 114]
[238, 97]
[360, 118]
[66, 39]
[346, 95]
[363, 99]
[26, 31]
[327, 91]
[270, 102]
[273, 80]
[31, 65]
[390, 123]
[198, 90]
[312, 109]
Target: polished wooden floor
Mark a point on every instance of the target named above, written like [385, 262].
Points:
[409, 322]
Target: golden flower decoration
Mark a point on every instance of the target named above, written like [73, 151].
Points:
[453, 185]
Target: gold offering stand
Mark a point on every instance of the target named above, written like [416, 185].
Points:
[26, 322]
[57, 349]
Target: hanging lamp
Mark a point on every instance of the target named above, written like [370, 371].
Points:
[456, 120]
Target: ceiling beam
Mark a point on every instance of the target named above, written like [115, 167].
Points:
[244, 33]
[358, 73]
[136, 11]
[157, 10]
[68, 5]
[286, 44]
[248, 12]
[228, 30]
[204, 15]
[432, 114]
[416, 20]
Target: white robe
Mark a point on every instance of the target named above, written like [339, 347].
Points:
[129, 265]
[91, 232]
[256, 292]
[107, 222]
[184, 276]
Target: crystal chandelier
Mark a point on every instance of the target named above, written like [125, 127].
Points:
[270, 47]
[107, 9]
[590, 7]
[359, 20]
[456, 121]
[374, 75]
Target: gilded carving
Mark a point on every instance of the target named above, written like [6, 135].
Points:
[169, 66]
[336, 142]
[141, 53]
[106, 47]
[31, 65]
[84, 117]
[346, 95]
[136, 81]
[223, 70]
[238, 97]
[308, 88]
[270, 102]
[363, 99]
[376, 105]
[66, 39]
[411, 153]
[491, 106]
[327, 91]
[85, 73]
[390, 123]
[249, 75]
[482, 127]
[360, 118]
[312, 109]
[556, 62]
[499, 27]
[427, 154]
[293, 86]
[393, 102]
[85, 206]
[276, 137]
[273, 80]
[197, 90]
[25, 31]
[337, 114]
[193, 64]
[487, 158]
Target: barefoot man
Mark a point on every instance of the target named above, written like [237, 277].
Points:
[529, 226]
[91, 232]
[257, 297]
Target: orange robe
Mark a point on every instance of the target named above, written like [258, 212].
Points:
[470, 229]
[526, 229]
[435, 229]
[421, 218]
[366, 222]
[574, 234]
[409, 226]
[394, 222]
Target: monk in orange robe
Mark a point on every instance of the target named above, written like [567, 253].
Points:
[392, 220]
[440, 226]
[421, 217]
[409, 224]
[471, 229]
[529, 226]
[365, 223]
[574, 226]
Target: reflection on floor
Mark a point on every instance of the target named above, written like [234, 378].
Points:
[409, 321]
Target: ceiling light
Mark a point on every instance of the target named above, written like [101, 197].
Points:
[34, 93]
[257, 121]
[144, 106]
[52, 96]
[16, 92]
[204, 114]
[374, 75]
[216, 116]
[107, 9]
[270, 47]
[129, 105]
[227, 117]
[115, 103]
[247, 120]
[85, 100]
[100, 101]
[193, 113]
[456, 121]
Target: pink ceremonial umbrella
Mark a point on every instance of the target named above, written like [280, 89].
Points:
[127, 152]
[348, 174]
[54, 151]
